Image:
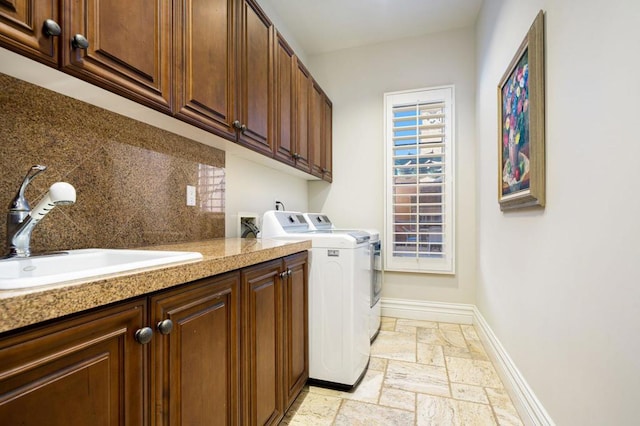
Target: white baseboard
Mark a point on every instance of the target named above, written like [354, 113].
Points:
[529, 407]
[457, 313]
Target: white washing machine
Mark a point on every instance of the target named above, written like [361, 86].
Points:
[321, 221]
[338, 297]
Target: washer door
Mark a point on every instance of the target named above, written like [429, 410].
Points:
[376, 279]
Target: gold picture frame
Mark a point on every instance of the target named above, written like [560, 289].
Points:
[521, 124]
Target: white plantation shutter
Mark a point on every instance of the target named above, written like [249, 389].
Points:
[419, 215]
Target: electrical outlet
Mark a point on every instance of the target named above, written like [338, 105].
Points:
[191, 195]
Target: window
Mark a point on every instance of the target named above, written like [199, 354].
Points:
[419, 201]
[211, 188]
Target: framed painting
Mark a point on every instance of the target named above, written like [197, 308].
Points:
[521, 168]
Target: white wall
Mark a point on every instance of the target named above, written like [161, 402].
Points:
[355, 80]
[252, 187]
[560, 287]
[275, 19]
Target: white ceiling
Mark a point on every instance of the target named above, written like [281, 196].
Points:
[321, 26]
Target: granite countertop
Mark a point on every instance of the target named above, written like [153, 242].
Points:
[19, 308]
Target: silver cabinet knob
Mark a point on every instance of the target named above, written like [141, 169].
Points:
[51, 28]
[144, 335]
[165, 326]
[80, 42]
[239, 126]
[285, 274]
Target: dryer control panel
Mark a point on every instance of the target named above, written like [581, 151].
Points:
[281, 222]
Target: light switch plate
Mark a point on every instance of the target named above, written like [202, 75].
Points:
[191, 195]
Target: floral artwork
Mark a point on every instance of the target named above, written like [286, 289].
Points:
[515, 129]
[521, 124]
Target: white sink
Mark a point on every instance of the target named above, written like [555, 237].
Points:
[18, 273]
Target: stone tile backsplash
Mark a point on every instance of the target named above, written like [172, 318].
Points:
[130, 177]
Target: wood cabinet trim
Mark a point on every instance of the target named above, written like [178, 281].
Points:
[254, 98]
[284, 97]
[241, 301]
[193, 103]
[209, 301]
[101, 64]
[120, 63]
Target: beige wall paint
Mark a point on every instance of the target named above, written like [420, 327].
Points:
[255, 189]
[559, 286]
[268, 9]
[355, 80]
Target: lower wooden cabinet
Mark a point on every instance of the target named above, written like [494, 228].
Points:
[196, 361]
[226, 350]
[88, 370]
[296, 325]
[275, 347]
[262, 343]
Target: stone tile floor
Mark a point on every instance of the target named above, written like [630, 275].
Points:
[420, 373]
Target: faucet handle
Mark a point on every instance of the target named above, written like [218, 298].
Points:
[33, 172]
[19, 201]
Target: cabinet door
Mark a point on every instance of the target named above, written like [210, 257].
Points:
[316, 115]
[205, 64]
[22, 28]
[196, 364]
[296, 325]
[303, 80]
[262, 343]
[327, 140]
[84, 371]
[284, 110]
[255, 96]
[129, 47]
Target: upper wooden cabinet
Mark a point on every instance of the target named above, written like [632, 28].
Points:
[327, 140]
[319, 133]
[224, 70]
[302, 95]
[122, 46]
[303, 116]
[217, 64]
[23, 28]
[316, 118]
[312, 145]
[205, 64]
[255, 71]
[284, 138]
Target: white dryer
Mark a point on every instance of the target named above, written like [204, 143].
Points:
[321, 221]
[338, 297]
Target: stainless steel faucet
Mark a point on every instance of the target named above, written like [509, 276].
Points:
[21, 219]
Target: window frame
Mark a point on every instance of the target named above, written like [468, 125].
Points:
[446, 264]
